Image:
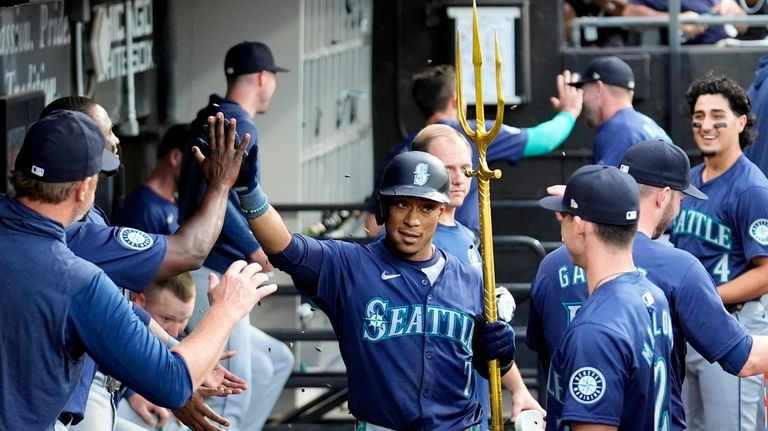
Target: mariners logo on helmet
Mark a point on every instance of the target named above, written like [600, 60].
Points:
[420, 174]
[587, 385]
[759, 231]
[134, 239]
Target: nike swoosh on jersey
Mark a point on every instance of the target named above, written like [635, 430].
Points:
[385, 276]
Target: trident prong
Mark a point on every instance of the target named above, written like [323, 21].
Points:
[483, 139]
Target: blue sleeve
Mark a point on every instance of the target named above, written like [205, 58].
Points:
[508, 146]
[141, 313]
[702, 318]
[302, 259]
[593, 347]
[752, 206]
[130, 257]
[734, 360]
[123, 347]
[146, 216]
[236, 231]
[548, 135]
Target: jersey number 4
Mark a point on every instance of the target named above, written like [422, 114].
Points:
[722, 270]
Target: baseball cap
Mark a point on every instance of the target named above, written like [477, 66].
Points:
[600, 194]
[660, 164]
[250, 57]
[611, 70]
[63, 147]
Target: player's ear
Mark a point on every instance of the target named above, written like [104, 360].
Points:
[661, 196]
[742, 122]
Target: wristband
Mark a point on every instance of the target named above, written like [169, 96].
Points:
[253, 200]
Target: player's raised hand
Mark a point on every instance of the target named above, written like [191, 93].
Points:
[240, 288]
[223, 154]
[569, 98]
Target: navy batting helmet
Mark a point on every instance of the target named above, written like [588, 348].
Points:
[413, 173]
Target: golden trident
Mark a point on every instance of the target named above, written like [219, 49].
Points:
[482, 139]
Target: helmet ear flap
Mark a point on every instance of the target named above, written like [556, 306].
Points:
[381, 211]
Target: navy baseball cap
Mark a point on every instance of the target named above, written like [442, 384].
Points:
[250, 57]
[660, 164]
[611, 70]
[600, 194]
[63, 147]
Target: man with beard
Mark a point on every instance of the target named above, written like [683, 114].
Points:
[609, 85]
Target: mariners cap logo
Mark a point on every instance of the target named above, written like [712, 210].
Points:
[420, 174]
[37, 170]
[134, 239]
[758, 230]
[587, 385]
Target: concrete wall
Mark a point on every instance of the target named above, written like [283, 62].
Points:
[202, 31]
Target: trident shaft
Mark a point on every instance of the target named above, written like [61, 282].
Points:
[482, 139]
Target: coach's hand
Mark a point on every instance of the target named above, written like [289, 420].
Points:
[490, 341]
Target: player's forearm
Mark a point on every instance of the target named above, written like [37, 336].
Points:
[513, 380]
[202, 348]
[188, 248]
[757, 363]
[746, 287]
[270, 231]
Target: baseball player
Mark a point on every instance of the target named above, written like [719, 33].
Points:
[560, 287]
[404, 311]
[434, 91]
[610, 370]
[729, 235]
[450, 146]
[609, 86]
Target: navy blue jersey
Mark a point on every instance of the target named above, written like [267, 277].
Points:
[147, 211]
[461, 242]
[508, 146]
[406, 341]
[624, 129]
[55, 308]
[730, 228]
[698, 315]
[611, 367]
[236, 242]
[130, 257]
